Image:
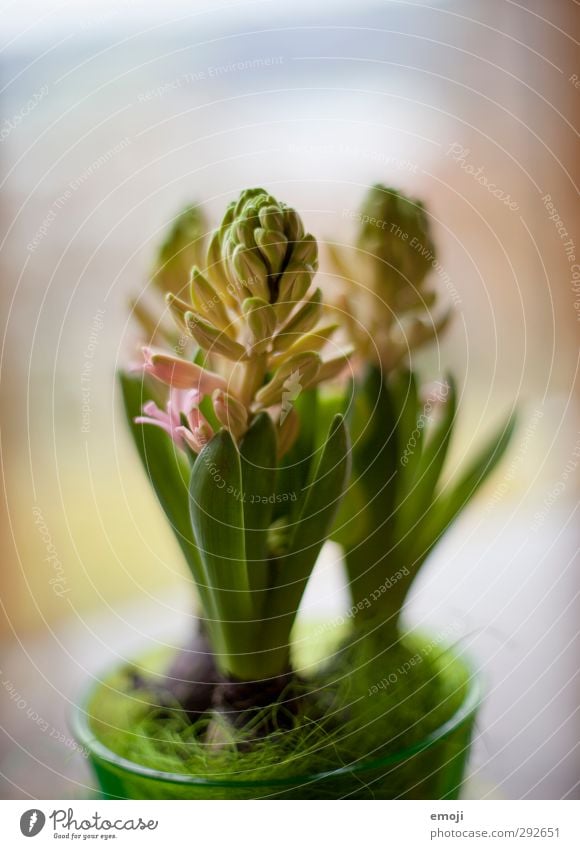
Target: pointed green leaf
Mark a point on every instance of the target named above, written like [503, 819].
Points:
[216, 510]
[372, 424]
[295, 465]
[169, 471]
[449, 503]
[319, 504]
[258, 467]
[428, 471]
[352, 521]
[409, 435]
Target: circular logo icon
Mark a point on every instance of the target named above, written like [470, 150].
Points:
[32, 822]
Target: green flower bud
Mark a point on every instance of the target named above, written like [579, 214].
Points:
[261, 320]
[244, 232]
[230, 412]
[330, 369]
[183, 248]
[301, 322]
[216, 269]
[272, 245]
[272, 218]
[213, 340]
[292, 376]
[306, 251]
[293, 226]
[395, 229]
[294, 284]
[309, 342]
[422, 332]
[250, 272]
[207, 301]
[259, 240]
[178, 308]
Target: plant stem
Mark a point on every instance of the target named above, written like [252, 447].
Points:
[378, 583]
[253, 375]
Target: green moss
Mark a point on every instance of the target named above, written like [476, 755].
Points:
[369, 700]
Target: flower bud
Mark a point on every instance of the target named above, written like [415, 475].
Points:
[303, 320]
[150, 326]
[330, 369]
[230, 413]
[259, 240]
[294, 284]
[395, 229]
[272, 218]
[261, 320]
[182, 248]
[422, 332]
[196, 439]
[309, 342]
[306, 251]
[213, 340]
[207, 301]
[292, 377]
[178, 308]
[293, 226]
[181, 374]
[272, 245]
[295, 280]
[216, 269]
[250, 272]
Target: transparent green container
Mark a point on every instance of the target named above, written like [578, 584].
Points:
[431, 769]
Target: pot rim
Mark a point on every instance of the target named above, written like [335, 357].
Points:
[80, 726]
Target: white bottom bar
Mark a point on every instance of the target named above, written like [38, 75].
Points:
[274, 825]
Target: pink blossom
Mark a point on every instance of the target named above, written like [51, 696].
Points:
[181, 374]
[181, 403]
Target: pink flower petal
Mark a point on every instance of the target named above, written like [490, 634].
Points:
[182, 374]
[188, 437]
[151, 410]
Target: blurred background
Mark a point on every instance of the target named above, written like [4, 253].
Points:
[114, 115]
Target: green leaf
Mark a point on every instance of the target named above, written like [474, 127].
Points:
[352, 521]
[258, 469]
[319, 503]
[217, 518]
[428, 470]
[294, 467]
[409, 436]
[206, 403]
[169, 473]
[372, 424]
[449, 503]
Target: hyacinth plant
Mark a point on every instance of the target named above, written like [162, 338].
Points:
[228, 435]
[241, 416]
[398, 504]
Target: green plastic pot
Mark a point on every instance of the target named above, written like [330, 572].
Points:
[433, 768]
